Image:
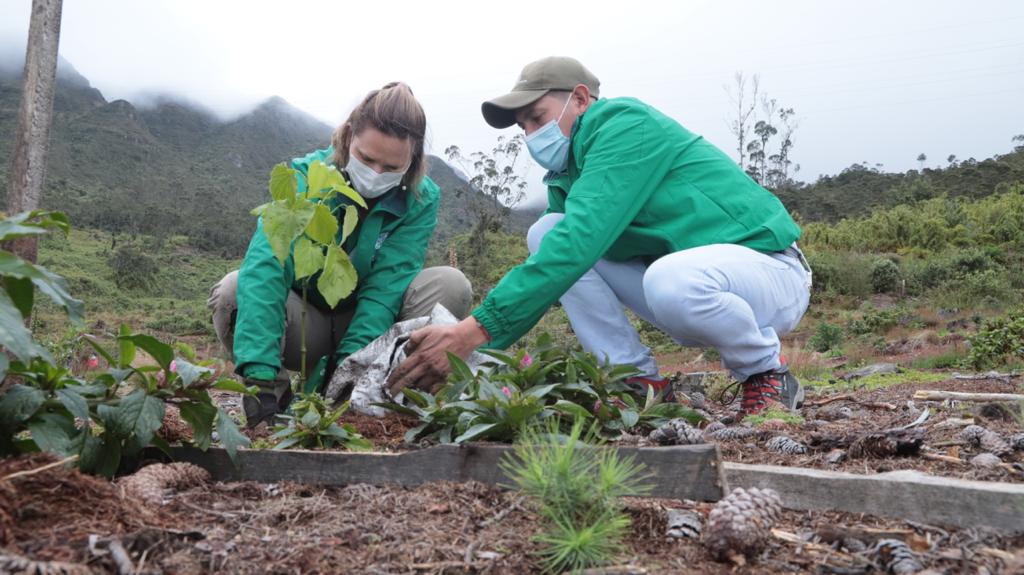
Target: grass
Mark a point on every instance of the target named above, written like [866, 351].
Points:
[173, 304]
[781, 414]
[877, 381]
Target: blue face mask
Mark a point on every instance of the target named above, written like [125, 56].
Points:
[549, 146]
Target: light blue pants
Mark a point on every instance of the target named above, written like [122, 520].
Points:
[724, 296]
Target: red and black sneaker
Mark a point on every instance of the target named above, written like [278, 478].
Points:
[662, 387]
[774, 388]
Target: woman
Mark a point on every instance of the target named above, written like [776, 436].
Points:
[257, 309]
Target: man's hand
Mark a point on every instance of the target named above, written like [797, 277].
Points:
[427, 366]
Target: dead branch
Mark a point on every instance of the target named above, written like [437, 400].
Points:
[937, 395]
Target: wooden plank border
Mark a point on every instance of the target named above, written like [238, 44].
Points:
[908, 495]
[679, 472]
[682, 472]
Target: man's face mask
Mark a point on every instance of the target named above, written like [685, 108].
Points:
[549, 146]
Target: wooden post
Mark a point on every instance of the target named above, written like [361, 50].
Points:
[32, 139]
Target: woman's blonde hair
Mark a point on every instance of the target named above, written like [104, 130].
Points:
[393, 110]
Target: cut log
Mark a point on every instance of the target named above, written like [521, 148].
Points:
[936, 395]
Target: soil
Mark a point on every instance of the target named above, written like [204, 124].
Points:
[440, 528]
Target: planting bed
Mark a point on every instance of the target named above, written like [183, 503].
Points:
[441, 527]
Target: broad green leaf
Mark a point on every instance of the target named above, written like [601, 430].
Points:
[323, 226]
[21, 292]
[49, 283]
[629, 417]
[108, 416]
[108, 456]
[310, 419]
[415, 396]
[95, 344]
[73, 401]
[413, 433]
[230, 437]
[349, 223]
[347, 191]
[228, 384]
[282, 223]
[159, 351]
[49, 435]
[569, 408]
[460, 369]
[339, 277]
[18, 404]
[502, 357]
[282, 183]
[258, 210]
[476, 431]
[189, 372]
[14, 336]
[398, 408]
[288, 442]
[308, 257]
[322, 177]
[200, 416]
[125, 347]
[139, 416]
[540, 390]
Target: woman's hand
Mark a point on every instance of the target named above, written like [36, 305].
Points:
[427, 365]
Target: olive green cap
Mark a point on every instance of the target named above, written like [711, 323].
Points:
[536, 79]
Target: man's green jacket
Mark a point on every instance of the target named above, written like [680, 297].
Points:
[387, 249]
[638, 185]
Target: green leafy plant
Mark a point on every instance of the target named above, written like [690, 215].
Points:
[827, 337]
[43, 406]
[885, 276]
[312, 424]
[533, 385]
[576, 489]
[303, 224]
[999, 341]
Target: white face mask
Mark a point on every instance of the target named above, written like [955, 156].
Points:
[367, 181]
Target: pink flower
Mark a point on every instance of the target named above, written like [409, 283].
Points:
[174, 365]
[527, 361]
[506, 391]
[93, 362]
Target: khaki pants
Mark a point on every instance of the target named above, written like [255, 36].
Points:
[324, 331]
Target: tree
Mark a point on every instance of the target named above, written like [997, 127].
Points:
[921, 159]
[740, 125]
[952, 160]
[1020, 146]
[495, 175]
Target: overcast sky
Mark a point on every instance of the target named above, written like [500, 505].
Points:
[875, 81]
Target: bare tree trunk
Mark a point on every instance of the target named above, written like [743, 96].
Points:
[31, 144]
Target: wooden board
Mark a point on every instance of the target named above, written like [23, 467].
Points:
[681, 472]
[909, 495]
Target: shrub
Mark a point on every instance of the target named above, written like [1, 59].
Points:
[885, 276]
[826, 337]
[1000, 340]
[132, 268]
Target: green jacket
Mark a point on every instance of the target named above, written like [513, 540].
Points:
[638, 185]
[387, 249]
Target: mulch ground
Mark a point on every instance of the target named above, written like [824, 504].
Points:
[61, 515]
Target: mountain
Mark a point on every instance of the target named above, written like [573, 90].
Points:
[171, 167]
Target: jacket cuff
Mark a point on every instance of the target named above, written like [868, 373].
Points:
[492, 322]
[259, 371]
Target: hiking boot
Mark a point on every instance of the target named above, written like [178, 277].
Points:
[662, 387]
[265, 406]
[775, 388]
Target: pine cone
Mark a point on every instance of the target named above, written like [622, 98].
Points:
[730, 433]
[783, 444]
[835, 413]
[896, 558]
[1017, 441]
[677, 432]
[697, 400]
[19, 564]
[887, 443]
[715, 426]
[986, 460]
[741, 523]
[683, 524]
[149, 483]
[989, 441]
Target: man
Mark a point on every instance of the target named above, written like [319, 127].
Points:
[641, 213]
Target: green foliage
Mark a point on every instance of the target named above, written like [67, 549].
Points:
[132, 268]
[878, 381]
[576, 489]
[840, 273]
[116, 413]
[307, 223]
[774, 414]
[312, 424]
[827, 337]
[518, 391]
[885, 276]
[878, 321]
[999, 341]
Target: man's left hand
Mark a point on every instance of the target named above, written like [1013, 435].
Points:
[427, 365]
